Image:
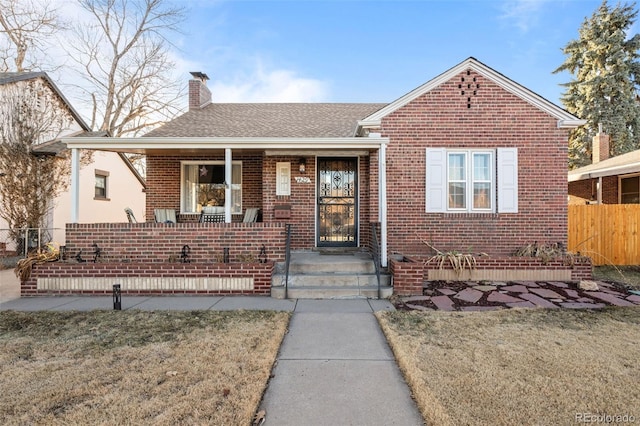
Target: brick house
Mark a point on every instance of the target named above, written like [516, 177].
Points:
[470, 160]
[606, 180]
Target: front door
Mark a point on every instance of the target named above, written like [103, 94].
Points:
[337, 202]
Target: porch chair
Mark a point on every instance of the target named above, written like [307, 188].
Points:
[165, 215]
[211, 217]
[250, 215]
[130, 217]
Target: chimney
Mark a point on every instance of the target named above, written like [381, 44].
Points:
[199, 93]
[600, 149]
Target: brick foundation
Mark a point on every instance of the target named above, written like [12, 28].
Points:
[61, 278]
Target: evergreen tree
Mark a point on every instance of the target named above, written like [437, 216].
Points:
[606, 70]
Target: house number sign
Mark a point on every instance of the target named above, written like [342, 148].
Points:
[303, 179]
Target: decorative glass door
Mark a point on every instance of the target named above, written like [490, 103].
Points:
[337, 206]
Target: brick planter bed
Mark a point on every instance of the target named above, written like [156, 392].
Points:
[410, 272]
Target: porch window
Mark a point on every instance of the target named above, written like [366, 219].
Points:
[202, 184]
[475, 181]
[630, 190]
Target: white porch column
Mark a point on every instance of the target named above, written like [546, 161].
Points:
[75, 185]
[227, 184]
[382, 202]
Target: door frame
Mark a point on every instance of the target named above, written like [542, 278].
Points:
[356, 197]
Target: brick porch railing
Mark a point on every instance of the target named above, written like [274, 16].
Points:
[145, 258]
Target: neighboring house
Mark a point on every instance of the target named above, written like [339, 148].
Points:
[614, 180]
[108, 184]
[469, 161]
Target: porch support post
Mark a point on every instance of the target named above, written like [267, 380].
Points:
[227, 186]
[382, 202]
[599, 189]
[75, 185]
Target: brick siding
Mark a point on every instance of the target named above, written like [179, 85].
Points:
[484, 117]
[587, 189]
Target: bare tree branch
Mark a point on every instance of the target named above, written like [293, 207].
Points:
[25, 28]
[125, 58]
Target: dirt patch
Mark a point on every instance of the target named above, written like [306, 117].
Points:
[624, 275]
[507, 367]
[200, 367]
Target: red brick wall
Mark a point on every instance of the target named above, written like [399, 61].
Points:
[495, 118]
[261, 273]
[409, 274]
[587, 189]
[301, 200]
[159, 242]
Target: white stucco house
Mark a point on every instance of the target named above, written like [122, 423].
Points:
[107, 184]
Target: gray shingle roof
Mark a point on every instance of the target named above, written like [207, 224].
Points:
[303, 120]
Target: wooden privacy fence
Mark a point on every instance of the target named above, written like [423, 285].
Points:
[608, 233]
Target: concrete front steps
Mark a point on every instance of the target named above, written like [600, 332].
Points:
[313, 275]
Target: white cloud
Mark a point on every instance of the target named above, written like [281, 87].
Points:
[523, 14]
[277, 85]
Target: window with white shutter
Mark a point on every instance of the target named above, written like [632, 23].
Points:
[472, 181]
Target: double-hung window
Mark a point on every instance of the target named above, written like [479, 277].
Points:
[203, 184]
[470, 181]
[101, 178]
[473, 181]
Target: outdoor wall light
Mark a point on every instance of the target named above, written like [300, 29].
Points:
[302, 164]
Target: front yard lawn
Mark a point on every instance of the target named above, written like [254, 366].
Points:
[534, 366]
[133, 367]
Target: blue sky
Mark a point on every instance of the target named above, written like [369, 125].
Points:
[371, 51]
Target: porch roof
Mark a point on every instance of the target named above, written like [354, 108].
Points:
[214, 145]
[618, 165]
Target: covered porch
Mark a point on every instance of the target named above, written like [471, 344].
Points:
[329, 189]
[284, 178]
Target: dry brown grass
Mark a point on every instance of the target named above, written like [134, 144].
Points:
[518, 366]
[133, 367]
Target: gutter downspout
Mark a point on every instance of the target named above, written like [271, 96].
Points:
[227, 186]
[75, 185]
[382, 202]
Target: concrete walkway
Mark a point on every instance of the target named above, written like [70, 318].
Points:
[334, 366]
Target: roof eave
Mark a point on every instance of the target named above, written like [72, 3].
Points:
[194, 143]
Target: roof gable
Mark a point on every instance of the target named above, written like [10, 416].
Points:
[565, 119]
[15, 77]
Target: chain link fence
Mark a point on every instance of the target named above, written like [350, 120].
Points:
[16, 244]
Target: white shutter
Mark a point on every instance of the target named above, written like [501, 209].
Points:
[436, 190]
[283, 178]
[507, 180]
